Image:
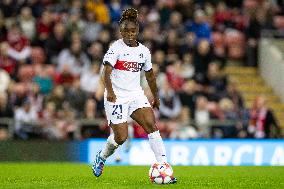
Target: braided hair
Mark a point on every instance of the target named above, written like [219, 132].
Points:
[129, 15]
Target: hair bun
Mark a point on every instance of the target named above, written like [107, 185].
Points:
[130, 14]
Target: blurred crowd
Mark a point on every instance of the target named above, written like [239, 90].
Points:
[51, 53]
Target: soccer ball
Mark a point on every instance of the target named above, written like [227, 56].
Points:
[161, 173]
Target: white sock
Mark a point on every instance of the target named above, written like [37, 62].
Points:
[157, 146]
[109, 148]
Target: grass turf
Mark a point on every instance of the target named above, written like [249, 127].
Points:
[70, 175]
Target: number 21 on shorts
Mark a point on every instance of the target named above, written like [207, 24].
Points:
[117, 109]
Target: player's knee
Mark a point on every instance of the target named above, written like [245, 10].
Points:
[151, 126]
[120, 139]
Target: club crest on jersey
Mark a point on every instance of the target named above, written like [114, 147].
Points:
[110, 52]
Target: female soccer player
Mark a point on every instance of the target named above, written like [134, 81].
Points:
[124, 96]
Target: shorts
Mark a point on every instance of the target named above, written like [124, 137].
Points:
[120, 112]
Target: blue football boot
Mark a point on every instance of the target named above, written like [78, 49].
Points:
[98, 165]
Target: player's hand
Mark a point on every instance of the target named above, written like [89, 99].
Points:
[156, 103]
[111, 97]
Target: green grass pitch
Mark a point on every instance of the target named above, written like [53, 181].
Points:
[71, 175]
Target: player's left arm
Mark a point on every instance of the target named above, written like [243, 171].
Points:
[151, 80]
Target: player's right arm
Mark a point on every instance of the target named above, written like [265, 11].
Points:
[107, 82]
[109, 61]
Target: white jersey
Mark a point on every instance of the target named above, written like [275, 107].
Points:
[127, 63]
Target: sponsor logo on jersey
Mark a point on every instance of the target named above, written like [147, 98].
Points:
[128, 66]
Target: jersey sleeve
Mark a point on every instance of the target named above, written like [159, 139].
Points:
[148, 62]
[111, 56]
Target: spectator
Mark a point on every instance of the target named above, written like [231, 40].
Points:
[6, 109]
[202, 57]
[186, 8]
[4, 135]
[172, 43]
[90, 80]
[27, 23]
[44, 27]
[91, 28]
[17, 94]
[175, 23]
[65, 77]
[100, 10]
[183, 127]
[8, 8]
[115, 10]
[34, 97]
[150, 36]
[252, 34]
[187, 44]
[56, 42]
[159, 58]
[38, 56]
[43, 80]
[188, 96]
[202, 117]
[76, 37]
[74, 58]
[95, 52]
[3, 29]
[25, 121]
[76, 6]
[174, 75]
[170, 103]
[75, 23]
[228, 109]
[185, 67]
[105, 39]
[93, 129]
[49, 121]
[4, 80]
[38, 7]
[199, 27]
[19, 46]
[262, 121]
[160, 76]
[209, 10]
[222, 17]
[233, 93]
[57, 97]
[164, 11]
[217, 82]
[66, 123]
[76, 98]
[230, 116]
[90, 109]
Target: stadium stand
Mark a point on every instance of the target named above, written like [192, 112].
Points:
[205, 56]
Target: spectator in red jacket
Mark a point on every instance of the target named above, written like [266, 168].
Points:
[262, 121]
[44, 27]
[19, 46]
